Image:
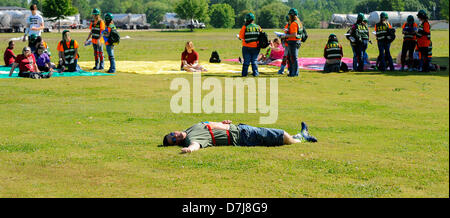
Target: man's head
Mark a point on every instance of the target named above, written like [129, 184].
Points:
[422, 15]
[109, 17]
[174, 138]
[33, 9]
[249, 17]
[11, 44]
[332, 38]
[384, 16]
[40, 49]
[410, 19]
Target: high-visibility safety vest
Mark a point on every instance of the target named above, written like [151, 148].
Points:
[421, 32]
[69, 52]
[252, 33]
[96, 30]
[212, 135]
[362, 31]
[300, 32]
[382, 30]
[333, 50]
[410, 30]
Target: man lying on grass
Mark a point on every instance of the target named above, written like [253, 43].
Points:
[205, 134]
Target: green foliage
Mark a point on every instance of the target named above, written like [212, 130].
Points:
[112, 6]
[240, 18]
[17, 3]
[444, 9]
[272, 15]
[192, 9]
[57, 9]
[83, 8]
[155, 12]
[221, 16]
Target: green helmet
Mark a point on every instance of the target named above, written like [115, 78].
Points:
[410, 19]
[249, 16]
[422, 14]
[332, 37]
[293, 11]
[384, 15]
[360, 17]
[109, 16]
[33, 36]
[96, 11]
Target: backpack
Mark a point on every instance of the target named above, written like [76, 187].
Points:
[263, 40]
[391, 35]
[214, 57]
[114, 37]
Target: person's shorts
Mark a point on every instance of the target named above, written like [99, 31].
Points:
[255, 136]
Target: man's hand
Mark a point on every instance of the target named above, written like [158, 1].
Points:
[227, 122]
[186, 150]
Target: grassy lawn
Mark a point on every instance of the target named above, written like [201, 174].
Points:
[380, 134]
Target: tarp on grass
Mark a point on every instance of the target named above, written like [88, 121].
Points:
[4, 73]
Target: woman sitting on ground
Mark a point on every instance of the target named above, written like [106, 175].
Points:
[189, 59]
[276, 53]
[43, 60]
[27, 66]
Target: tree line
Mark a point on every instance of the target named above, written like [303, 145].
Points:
[231, 13]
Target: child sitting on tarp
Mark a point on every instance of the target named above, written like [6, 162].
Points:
[274, 52]
[189, 59]
[9, 55]
[43, 60]
[333, 54]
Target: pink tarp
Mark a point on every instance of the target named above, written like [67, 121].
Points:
[316, 63]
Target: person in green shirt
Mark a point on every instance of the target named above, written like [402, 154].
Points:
[206, 134]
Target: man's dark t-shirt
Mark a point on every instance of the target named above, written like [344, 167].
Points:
[199, 133]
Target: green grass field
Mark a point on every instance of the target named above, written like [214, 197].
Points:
[380, 134]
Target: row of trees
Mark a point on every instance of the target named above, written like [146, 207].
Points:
[231, 13]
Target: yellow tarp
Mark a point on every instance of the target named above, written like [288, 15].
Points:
[171, 67]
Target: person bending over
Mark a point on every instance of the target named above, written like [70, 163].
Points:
[189, 59]
[27, 66]
[206, 134]
[333, 54]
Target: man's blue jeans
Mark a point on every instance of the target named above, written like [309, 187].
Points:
[110, 50]
[361, 48]
[250, 56]
[385, 53]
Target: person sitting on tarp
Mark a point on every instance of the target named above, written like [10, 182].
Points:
[27, 66]
[275, 52]
[68, 53]
[43, 60]
[189, 59]
[333, 54]
[40, 42]
[207, 134]
[9, 57]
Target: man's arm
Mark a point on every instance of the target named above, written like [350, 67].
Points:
[194, 146]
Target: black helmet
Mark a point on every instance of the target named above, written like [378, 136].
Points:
[332, 37]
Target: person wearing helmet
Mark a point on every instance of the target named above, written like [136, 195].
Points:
[295, 36]
[333, 54]
[285, 47]
[249, 35]
[359, 38]
[383, 29]
[97, 27]
[109, 46]
[424, 39]
[409, 42]
[68, 53]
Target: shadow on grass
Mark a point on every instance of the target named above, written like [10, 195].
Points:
[441, 61]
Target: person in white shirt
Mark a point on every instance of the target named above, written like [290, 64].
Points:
[35, 23]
